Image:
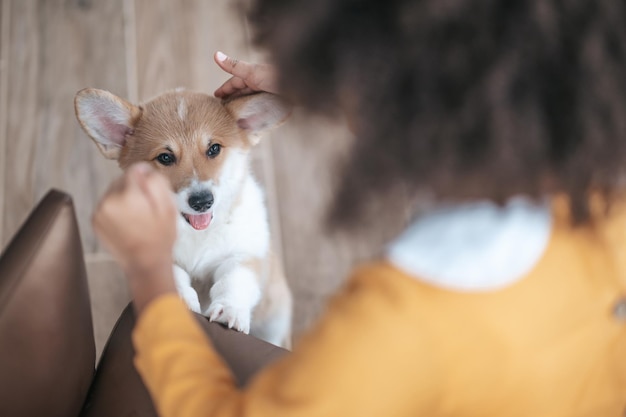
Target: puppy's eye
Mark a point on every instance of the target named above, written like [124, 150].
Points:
[166, 159]
[214, 150]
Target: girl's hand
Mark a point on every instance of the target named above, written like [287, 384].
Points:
[136, 221]
[246, 78]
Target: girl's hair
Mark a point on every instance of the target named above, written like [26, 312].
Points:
[462, 99]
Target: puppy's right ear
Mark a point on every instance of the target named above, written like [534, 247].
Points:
[106, 118]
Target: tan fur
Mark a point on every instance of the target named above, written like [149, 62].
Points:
[157, 132]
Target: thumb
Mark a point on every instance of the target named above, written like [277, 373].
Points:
[137, 172]
[136, 177]
[241, 69]
[155, 188]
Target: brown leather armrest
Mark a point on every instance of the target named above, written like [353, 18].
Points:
[117, 389]
[47, 351]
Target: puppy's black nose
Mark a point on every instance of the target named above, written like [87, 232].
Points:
[201, 202]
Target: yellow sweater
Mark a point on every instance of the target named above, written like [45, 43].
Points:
[552, 344]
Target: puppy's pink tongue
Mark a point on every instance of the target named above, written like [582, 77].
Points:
[199, 221]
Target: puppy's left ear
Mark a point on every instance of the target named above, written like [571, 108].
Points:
[258, 113]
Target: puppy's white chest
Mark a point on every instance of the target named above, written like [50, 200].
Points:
[200, 252]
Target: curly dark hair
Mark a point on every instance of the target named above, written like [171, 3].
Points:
[462, 99]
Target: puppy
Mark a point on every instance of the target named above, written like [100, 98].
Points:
[224, 267]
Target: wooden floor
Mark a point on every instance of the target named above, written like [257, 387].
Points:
[137, 48]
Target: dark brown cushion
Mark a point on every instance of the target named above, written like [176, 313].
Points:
[117, 389]
[47, 349]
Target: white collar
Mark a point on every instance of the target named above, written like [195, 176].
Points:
[474, 247]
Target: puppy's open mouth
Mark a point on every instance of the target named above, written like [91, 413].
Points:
[198, 221]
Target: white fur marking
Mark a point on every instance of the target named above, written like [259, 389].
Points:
[206, 139]
[182, 109]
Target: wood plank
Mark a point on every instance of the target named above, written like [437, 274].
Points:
[262, 169]
[21, 70]
[5, 6]
[305, 154]
[56, 48]
[109, 295]
[130, 42]
[176, 42]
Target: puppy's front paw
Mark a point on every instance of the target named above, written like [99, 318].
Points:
[233, 317]
[185, 290]
[190, 297]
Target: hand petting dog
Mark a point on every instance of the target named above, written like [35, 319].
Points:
[247, 78]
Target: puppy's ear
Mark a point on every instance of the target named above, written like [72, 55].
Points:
[258, 113]
[106, 118]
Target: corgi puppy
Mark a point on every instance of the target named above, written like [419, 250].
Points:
[224, 267]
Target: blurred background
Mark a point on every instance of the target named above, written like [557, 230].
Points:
[50, 49]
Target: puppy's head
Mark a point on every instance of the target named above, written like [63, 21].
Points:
[200, 143]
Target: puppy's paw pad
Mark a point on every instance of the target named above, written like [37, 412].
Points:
[234, 318]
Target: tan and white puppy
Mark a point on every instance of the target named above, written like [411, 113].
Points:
[224, 266]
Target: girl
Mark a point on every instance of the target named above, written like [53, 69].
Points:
[508, 298]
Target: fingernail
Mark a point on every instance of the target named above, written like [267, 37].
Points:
[221, 56]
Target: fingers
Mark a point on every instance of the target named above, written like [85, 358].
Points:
[140, 187]
[116, 189]
[156, 190]
[247, 78]
[241, 69]
[233, 87]
[242, 79]
[150, 191]
[136, 222]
